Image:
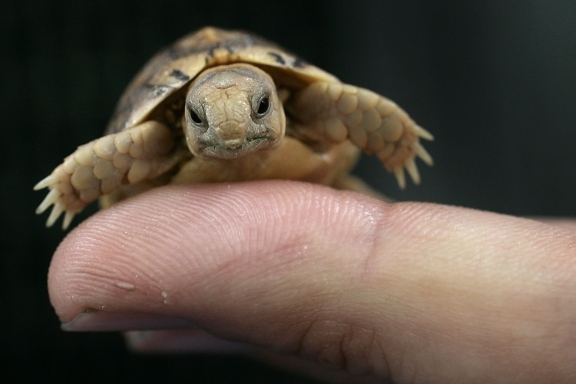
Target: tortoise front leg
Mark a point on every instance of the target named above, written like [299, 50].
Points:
[101, 166]
[336, 112]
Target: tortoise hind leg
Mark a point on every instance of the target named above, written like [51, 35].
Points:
[101, 166]
[336, 112]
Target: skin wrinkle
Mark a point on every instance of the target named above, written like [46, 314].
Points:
[314, 345]
[299, 351]
[387, 371]
[367, 355]
[344, 343]
[374, 240]
[365, 224]
[332, 343]
[357, 349]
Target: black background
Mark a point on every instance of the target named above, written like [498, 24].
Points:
[495, 81]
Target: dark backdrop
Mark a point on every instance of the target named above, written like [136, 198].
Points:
[494, 81]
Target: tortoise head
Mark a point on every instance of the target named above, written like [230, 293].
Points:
[232, 111]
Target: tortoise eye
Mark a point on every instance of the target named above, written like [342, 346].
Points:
[195, 118]
[263, 106]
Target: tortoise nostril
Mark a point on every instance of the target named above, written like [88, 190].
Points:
[231, 131]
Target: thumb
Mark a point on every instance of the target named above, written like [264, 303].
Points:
[409, 291]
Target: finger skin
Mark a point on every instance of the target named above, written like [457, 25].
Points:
[419, 292]
[193, 340]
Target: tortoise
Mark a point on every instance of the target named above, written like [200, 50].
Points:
[225, 106]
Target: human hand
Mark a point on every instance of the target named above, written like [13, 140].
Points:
[417, 292]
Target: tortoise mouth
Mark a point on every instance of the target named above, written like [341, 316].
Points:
[222, 151]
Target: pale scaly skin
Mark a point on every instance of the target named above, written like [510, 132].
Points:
[103, 165]
[336, 112]
[325, 113]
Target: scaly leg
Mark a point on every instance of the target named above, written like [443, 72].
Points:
[101, 166]
[336, 112]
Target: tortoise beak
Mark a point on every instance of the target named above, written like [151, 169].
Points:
[237, 150]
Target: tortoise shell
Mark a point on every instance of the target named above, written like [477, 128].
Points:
[172, 69]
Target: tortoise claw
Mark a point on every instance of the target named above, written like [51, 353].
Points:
[53, 198]
[68, 216]
[421, 132]
[423, 154]
[57, 210]
[46, 182]
[400, 178]
[58, 207]
[413, 170]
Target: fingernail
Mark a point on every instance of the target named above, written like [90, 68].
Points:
[121, 321]
[183, 340]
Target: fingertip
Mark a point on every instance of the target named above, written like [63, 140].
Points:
[139, 254]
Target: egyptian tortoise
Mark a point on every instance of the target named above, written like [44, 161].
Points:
[223, 106]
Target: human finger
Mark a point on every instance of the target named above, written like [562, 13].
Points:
[411, 291]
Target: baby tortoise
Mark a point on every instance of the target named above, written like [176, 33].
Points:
[221, 106]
